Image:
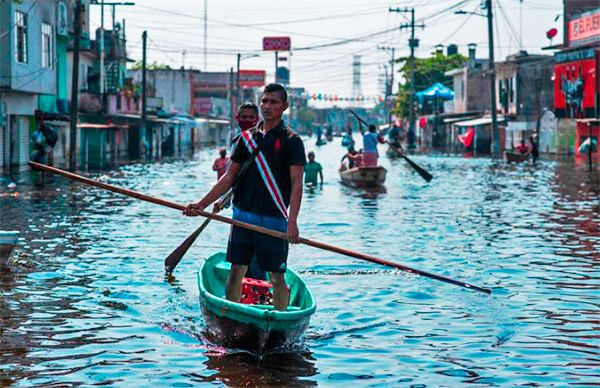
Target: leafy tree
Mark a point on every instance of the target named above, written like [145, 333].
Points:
[152, 66]
[427, 72]
[306, 116]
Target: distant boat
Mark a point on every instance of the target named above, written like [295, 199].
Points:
[363, 177]
[321, 142]
[515, 157]
[8, 240]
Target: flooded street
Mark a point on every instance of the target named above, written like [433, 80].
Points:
[84, 299]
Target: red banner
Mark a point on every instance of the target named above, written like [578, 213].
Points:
[252, 78]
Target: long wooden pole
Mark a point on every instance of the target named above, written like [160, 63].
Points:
[269, 232]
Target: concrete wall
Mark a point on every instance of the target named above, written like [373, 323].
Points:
[174, 86]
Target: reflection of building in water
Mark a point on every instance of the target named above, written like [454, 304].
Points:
[576, 213]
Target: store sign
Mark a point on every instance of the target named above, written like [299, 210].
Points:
[277, 43]
[574, 83]
[62, 17]
[585, 28]
[252, 78]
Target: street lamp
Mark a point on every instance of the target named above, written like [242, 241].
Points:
[237, 78]
[489, 16]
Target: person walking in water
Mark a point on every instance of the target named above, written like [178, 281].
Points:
[312, 170]
[220, 163]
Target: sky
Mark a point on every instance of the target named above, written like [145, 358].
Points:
[343, 28]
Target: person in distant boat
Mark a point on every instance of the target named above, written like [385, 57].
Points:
[319, 133]
[220, 163]
[394, 136]
[353, 158]
[522, 147]
[262, 197]
[312, 170]
[370, 140]
[533, 148]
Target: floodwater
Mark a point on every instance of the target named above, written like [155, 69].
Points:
[84, 299]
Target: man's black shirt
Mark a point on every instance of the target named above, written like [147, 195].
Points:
[282, 148]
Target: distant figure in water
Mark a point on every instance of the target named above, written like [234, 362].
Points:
[220, 164]
[312, 171]
[533, 148]
[522, 147]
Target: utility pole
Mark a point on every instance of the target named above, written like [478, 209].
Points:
[495, 134]
[413, 43]
[205, 33]
[390, 84]
[238, 96]
[75, 88]
[102, 76]
[231, 104]
[143, 119]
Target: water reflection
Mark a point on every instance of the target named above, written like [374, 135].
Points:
[243, 370]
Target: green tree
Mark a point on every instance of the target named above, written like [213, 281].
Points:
[152, 66]
[306, 116]
[427, 72]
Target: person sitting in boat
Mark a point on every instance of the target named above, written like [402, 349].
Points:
[220, 163]
[533, 148]
[370, 140]
[522, 147]
[394, 136]
[312, 170]
[351, 159]
[262, 197]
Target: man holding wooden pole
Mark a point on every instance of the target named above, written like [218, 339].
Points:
[262, 197]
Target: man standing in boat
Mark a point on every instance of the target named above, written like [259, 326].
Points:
[272, 184]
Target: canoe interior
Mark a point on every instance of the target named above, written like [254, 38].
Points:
[256, 328]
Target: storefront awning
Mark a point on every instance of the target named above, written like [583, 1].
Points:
[101, 126]
[479, 121]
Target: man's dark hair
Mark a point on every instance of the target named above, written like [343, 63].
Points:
[372, 128]
[272, 88]
[248, 105]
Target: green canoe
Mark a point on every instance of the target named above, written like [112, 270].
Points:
[256, 328]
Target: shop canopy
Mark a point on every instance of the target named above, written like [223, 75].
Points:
[437, 90]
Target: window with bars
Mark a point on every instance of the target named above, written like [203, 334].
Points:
[21, 37]
[47, 45]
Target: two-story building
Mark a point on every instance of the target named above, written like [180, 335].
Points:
[34, 38]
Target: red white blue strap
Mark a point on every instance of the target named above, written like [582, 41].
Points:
[265, 172]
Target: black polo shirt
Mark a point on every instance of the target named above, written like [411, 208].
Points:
[282, 148]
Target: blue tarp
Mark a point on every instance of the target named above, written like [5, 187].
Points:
[436, 90]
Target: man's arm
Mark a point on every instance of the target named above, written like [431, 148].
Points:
[296, 173]
[216, 192]
[321, 174]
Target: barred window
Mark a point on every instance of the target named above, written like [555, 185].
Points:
[47, 45]
[21, 37]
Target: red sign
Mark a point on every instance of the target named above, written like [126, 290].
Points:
[277, 43]
[201, 105]
[252, 78]
[585, 28]
[574, 83]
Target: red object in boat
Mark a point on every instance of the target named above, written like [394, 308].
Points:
[256, 291]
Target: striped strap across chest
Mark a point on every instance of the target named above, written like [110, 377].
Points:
[265, 173]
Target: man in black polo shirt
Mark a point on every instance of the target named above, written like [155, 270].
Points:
[254, 203]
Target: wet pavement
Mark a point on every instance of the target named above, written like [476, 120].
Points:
[84, 299]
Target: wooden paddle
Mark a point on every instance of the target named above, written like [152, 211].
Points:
[420, 170]
[175, 257]
[273, 233]
[424, 174]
